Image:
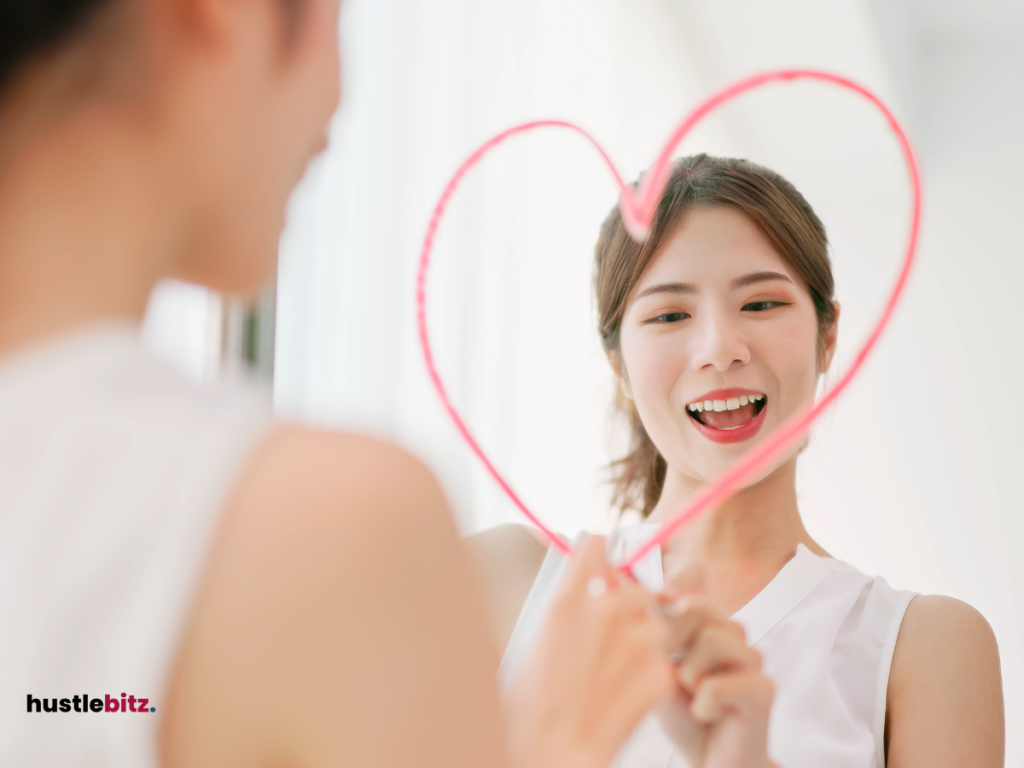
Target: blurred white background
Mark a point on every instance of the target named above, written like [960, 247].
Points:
[914, 475]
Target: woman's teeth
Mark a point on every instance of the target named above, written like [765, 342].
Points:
[724, 405]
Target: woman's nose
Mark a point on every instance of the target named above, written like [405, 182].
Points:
[718, 344]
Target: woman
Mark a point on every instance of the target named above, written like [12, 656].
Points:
[718, 329]
[184, 582]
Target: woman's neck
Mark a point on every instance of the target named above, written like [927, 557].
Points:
[80, 231]
[760, 523]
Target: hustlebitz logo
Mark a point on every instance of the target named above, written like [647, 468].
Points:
[84, 704]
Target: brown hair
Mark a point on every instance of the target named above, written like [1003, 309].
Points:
[784, 218]
[32, 29]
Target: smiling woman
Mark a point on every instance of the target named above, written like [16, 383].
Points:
[718, 329]
[766, 215]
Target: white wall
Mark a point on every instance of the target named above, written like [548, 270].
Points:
[183, 325]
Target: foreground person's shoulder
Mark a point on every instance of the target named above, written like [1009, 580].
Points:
[945, 700]
[327, 468]
[336, 623]
[379, 509]
[379, 500]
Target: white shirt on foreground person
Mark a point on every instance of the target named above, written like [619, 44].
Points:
[113, 473]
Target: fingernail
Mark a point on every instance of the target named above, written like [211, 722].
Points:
[681, 605]
[597, 586]
[673, 609]
[663, 608]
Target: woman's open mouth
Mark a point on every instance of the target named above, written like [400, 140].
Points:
[728, 416]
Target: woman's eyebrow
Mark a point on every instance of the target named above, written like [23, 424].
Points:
[758, 277]
[677, 288]
[686, 289]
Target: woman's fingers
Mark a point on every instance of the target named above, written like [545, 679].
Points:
[684, 578]
[745, 695]
[633, 622]
[719, 647]
[604, 659]
[592, 582]
[687, 618]
[684, 620]
[618, 619]
[600, 662]
[588, 563]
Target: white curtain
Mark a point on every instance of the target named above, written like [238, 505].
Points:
[510, 308]
[510, 304]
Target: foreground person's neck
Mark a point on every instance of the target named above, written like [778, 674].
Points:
[81, 235]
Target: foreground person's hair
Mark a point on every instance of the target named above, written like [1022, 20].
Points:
[31, 30]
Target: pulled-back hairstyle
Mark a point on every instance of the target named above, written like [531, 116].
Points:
[784, 218]
[33, 28]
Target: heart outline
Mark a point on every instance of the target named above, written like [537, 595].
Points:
[638, 210]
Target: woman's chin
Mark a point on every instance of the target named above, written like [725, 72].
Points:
[710, 458]
[711, 469]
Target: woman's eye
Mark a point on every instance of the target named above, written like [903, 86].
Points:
[669, 317]
[763, 306]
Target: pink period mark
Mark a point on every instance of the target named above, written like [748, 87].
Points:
[638, 210]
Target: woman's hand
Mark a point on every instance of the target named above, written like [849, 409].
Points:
[601, 665]
[718, 716]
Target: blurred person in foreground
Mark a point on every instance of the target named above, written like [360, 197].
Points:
[183, 581]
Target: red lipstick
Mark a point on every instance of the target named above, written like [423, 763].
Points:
[735, 434]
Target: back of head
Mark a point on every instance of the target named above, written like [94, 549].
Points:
[30, 28]
[55, 54]
[213, 108]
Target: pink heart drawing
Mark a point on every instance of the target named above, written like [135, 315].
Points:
[638, 210]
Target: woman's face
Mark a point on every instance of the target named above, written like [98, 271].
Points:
[253, 116]
[719, 343]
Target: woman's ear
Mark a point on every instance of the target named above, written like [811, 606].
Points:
[615, 361]
[829, 342]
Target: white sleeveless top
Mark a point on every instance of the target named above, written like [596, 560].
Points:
[826, 633]
[113, 472]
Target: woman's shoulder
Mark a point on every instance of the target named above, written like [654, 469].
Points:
[309, 461]
[338, 553]
[945, 702]
[507, 560]
[940, 632]
[939, 614]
